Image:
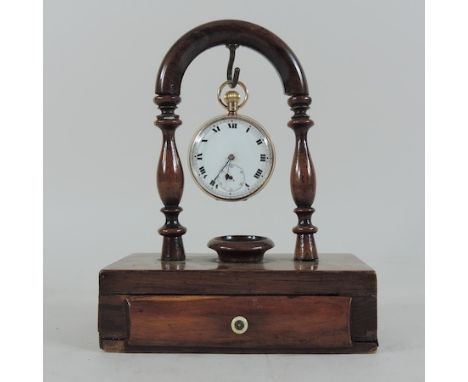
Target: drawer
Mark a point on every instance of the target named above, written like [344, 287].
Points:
[239, 321]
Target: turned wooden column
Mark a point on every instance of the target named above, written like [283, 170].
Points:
[170, 179]
[303, 180]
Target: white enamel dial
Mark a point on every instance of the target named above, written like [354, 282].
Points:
[232, 157]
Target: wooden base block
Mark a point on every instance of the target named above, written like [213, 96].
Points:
[201, 305]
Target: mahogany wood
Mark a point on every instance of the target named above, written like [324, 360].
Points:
[170, 179]
[293, 306]
[222, 32]
[205, 321]
[241, 248]
[205, 275]
[119, 346]
[303, 180]
[139, 275]
[170, 175]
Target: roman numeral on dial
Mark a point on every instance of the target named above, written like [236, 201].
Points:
[199, 156]
[259, 141]
[216, 129]
[258, 173]
[263, 158]
[202, 170]
[232, 125]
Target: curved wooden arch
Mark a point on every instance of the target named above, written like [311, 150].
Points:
[196, 41]
[170, 176]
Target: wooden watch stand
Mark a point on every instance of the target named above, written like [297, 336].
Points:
[286, 304]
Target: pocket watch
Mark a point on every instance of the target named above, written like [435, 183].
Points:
[232, 156]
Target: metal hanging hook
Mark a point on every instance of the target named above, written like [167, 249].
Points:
[233, 78]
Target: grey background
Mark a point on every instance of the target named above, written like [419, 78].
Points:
[364, 62]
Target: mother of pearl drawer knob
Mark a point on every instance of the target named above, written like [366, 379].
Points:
[239, 325]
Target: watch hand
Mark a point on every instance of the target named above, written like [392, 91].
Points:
[230, 158]
[220, 171]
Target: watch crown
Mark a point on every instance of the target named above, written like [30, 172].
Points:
[232, 98]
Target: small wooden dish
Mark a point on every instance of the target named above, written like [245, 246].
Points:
[241, 248]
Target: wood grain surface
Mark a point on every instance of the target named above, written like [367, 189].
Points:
[201, 283]
[273, 321]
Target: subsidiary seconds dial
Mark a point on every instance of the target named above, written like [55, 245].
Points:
[232, 157]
